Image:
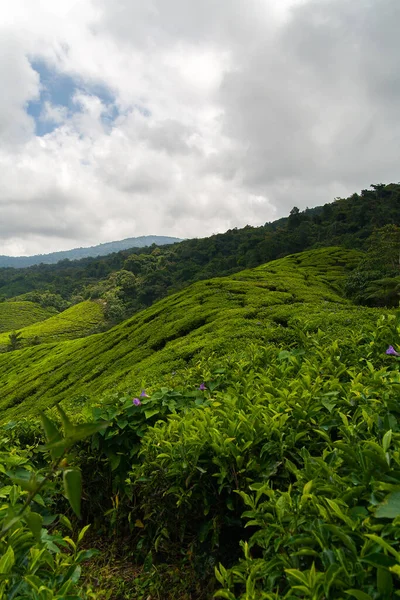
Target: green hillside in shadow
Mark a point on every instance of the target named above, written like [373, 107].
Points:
[75, 322]
[16, 315]
[279, 302]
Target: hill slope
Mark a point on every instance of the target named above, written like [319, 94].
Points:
[278, 302]
[19, 262]
[346, 222]
[15, 315]
[75, 322]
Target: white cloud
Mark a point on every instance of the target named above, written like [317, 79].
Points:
[218, 114]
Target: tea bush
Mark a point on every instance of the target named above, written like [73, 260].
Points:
[37, 561]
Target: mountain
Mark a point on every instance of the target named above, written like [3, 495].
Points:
[19, 262]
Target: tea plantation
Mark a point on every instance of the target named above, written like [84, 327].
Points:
[238, 440]
[16, 315]
[75, 322]
[279, 302]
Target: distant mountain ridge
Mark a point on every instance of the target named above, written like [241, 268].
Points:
[19, 262]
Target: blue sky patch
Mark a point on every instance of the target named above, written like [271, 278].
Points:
[59, 90]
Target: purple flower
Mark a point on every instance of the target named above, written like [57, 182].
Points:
[143, 394]
[392, 351]
[136, 402]
[202, 387]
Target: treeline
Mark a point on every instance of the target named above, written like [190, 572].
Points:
[133, 279]
[76, 253]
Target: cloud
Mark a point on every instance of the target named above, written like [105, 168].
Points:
[125, 118]
[19, 85]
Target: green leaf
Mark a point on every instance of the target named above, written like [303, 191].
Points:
[378, 559]
[68, 426]
[52, 434]
[224, 594]
[383, 544]
[329, 404]
[82, 533]
[39, 500]
[65, 521]
[384, 582]
[73, 489]
[34, 522]
[359, 595]
[27, 480]
[86, 555]
[390, 507]
[7, 561]
[34, 581]
[330, 577]
[80, 432]
[151, 412]
[387, 438]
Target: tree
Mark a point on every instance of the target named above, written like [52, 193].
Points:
[376, 280]
[14, 340]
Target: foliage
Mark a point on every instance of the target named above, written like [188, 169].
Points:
[14, 340]
[293, 454]
[75, 322]
[277, 303]
[347, 222]
[37, 562]
[260, 461]
[290, 454]
[44, 299]
[376, 280]
[16, 315]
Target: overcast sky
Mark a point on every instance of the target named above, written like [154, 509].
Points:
[121, 118]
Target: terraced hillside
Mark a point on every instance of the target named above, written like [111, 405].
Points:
[16, 315]
[278, 302]
[75, 322]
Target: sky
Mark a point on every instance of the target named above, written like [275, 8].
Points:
[123, 118]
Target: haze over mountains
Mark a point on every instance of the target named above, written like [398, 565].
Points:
[19, 262]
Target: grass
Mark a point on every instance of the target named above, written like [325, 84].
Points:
[16, 315]
[75, 322]
[279, 302]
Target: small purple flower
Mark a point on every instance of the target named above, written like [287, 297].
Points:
[392, 351]
[143, 394]
[136, 402]
[202, 387]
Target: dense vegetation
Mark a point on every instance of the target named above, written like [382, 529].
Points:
[78, 321]
[278, 302]
[237, 439]
[269, 473]
[15, 315]
[347, 222]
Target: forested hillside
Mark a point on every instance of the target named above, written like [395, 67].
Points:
[158, 271]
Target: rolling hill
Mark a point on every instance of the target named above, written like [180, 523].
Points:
[16, 315]
[279, 302]
[347, 222]
[75, 322]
